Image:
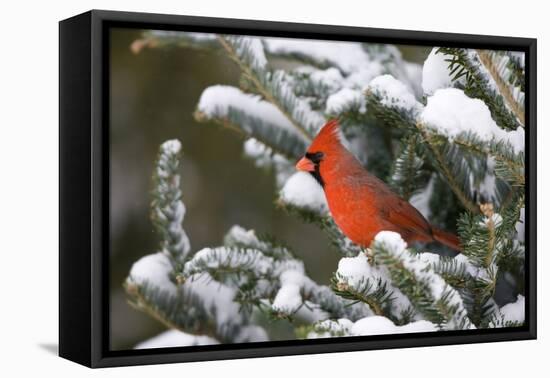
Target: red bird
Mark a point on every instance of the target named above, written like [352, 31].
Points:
[361, 204]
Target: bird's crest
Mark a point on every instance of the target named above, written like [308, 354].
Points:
[327, 138]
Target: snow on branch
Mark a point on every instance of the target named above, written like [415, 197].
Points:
[252, 117]
[437, 301]
[239, 237]
[359, 280]
[392, 101]
[345, 100]
[167, 209]
[372, 325]
[302, 191]
[462, 137]
[300, 297]
[472, 66]
[346, 56]
[452, 113]
[394, 94]
[200, 306]
[248, 51]
[272, 85]
[175, 338]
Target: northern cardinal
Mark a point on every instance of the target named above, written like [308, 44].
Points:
[361, 204]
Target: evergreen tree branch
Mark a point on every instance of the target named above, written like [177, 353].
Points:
[486, 60]
[408, 175]
[445, 170]
[375, 295]
[167, 209]
[464, 63]
[278, 138]
[438, 302]
[264, 83]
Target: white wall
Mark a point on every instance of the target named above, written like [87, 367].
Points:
[28, 188]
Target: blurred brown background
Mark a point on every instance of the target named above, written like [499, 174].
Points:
[153, 96]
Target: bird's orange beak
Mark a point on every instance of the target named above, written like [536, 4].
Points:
[305, 165]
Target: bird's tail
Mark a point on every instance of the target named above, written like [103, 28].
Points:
[447, 238]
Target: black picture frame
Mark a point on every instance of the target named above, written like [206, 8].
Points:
[84, 188]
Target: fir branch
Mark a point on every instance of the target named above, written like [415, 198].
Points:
[446, 170]
[270, 85]
[241, 238]
[439, 304]
[168, 311]
[509, 165]
[392, 116]
[375, 295]
[488, 62]
[454, 272]
[167, 209]
[464, 63]
[277, 138]
[516, 67]
[408, 175]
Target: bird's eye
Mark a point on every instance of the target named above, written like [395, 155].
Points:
[315, 157]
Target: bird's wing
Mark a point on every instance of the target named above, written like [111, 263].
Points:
[408, 219]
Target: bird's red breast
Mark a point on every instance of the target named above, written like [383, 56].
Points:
[361, 204]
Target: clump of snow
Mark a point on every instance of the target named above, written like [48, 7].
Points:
[172, 146]
[418, 326]
[436, 74]
[219, 100]
[394, 93]
[380, 325]
[175, 338]
[359, 274]
[238, 235]
[392, 241]
[354, 270]
[515, 311]
[331, 78]
[227, 258]
[155, 270]
[450, 112]
[371, 325]
[429, 257]
[288, 299]
[344, 100]
[347, 56]
[301, 190]
[217, 298]
[331, 328]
